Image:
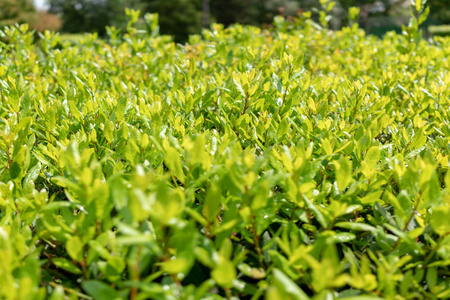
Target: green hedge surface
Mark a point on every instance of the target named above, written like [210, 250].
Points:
[291, 162]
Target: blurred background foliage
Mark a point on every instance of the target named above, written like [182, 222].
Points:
[24, 11]
[181, 18]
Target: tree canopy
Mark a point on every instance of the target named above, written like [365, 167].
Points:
[16, 11]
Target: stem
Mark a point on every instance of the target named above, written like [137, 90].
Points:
[228, 293]
[9, 157]
[257, 242]
[293, 212]
[136, 276]
[245, 104]
[205, 13]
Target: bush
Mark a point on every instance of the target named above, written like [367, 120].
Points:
[286, 163]
[46, 21]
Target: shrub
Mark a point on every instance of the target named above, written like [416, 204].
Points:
[46, 21]
[286, 163]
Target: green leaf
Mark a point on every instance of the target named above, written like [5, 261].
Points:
[15, 170]
[372, 156]
[432, 193]
[74, 247]
[431, 277]
[199, 153]
[283, 128]
[58, 293]
[343, 172]
[100, 290]
[262, 196]
[58, 205]
[326, 146]
[361, 297]
[17, 166]
[120, 108]
[212, 202]
[318, 214]
[75, 112]
[343, 237]
[173, 162]
[285, 284]
[14, 96]
[108, 131]
[117, 264]
[423, 17]
[175, 266]
[50, 118]
[355, 226]
[440, 220]
[66, 265]
[224, 273]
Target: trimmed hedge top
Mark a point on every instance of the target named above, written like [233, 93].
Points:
[288, 163]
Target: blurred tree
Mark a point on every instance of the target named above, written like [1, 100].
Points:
[46, 21]
[439, 11]
[83, 15]
[179, 18]
[257, 12]
[367, 8]
[117, 11]
[284, 7]
[238, 11]
[16, 11]
[205, 13]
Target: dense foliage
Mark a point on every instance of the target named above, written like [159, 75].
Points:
[290, 163]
